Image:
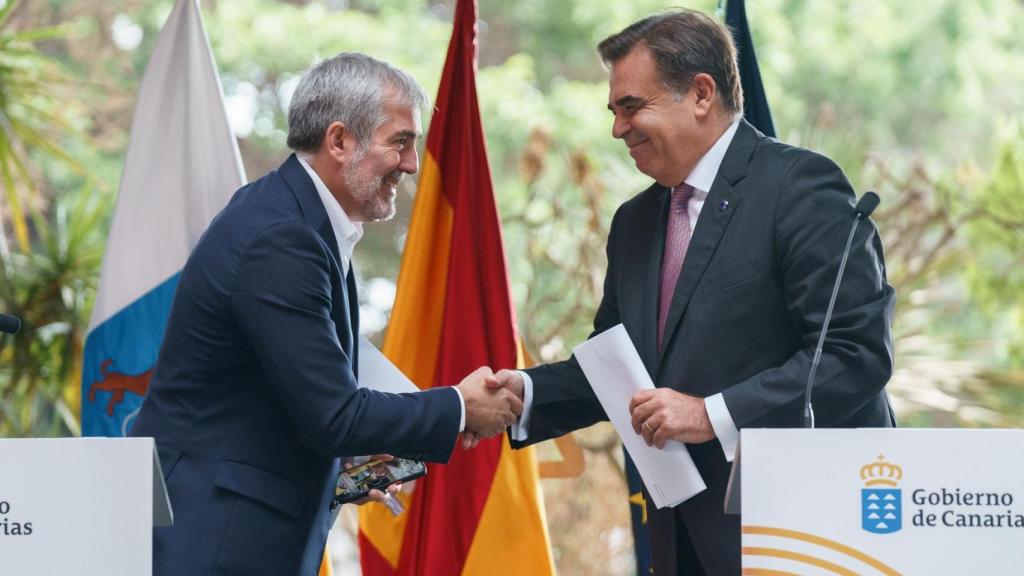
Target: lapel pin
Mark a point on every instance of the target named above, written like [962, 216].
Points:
[723, 205]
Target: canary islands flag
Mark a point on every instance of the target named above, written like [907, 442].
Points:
[181, 167]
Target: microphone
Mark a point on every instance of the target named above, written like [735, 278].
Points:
[867, 204]
[9, 324]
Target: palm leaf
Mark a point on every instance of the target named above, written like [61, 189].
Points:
[37, 34]
[49, 280]
[17, 215]
[29, 114]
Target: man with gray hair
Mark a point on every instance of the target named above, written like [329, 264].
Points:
[254, 397]
[721, 273]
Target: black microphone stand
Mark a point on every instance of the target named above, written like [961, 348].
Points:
[864, 208]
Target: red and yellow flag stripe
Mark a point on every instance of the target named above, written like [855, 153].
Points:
[482, 513]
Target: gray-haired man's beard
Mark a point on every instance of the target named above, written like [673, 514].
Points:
[375, 195]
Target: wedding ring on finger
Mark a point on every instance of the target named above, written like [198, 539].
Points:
[647, 427]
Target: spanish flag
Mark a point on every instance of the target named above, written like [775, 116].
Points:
[482, 513]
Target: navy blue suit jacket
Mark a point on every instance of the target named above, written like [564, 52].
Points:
[254, 395]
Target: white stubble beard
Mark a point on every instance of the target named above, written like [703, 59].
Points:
[368, 191]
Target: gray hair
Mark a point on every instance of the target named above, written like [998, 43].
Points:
[348, 88]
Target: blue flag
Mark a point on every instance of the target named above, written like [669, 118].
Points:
[638, 516]
[755, 103]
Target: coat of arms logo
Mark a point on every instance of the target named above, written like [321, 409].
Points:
[881, 500]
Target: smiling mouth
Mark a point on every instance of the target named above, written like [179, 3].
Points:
[633, 148]
[393, 180]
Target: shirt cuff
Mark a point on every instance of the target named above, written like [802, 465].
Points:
[722, 422]
[521, 429]
[462, 410]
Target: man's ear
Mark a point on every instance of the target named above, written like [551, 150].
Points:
[705, 91]
[338, 142]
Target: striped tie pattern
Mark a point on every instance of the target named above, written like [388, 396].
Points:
[677, 239]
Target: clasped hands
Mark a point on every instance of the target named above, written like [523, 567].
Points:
[659, 415]
[493, 403]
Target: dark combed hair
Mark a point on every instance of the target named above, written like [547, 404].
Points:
[684, 43]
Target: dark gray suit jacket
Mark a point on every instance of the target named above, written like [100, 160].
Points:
[744, 319]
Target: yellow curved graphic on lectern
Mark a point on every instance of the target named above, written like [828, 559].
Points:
[805, 558]
[797, 557]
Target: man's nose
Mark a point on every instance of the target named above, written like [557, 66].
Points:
[410, 162]
[620, 127]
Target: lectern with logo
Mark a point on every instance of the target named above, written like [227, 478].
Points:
[80, 506]
[880, 501]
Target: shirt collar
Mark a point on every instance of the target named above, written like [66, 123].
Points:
[346, 231]
[703, 174]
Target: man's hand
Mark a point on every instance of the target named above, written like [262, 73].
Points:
[508, 379]
[662, 414]
[490, 408]
[380, 497]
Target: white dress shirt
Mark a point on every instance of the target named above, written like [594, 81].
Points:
[348, 234]
[346, 231]
[701, 178]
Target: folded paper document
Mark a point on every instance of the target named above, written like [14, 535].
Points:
[615, 371]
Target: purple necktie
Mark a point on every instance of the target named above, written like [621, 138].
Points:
[677, 239]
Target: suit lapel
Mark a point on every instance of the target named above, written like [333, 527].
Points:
[721, 203]
[314, 214]
[352, 296]
[312, 208]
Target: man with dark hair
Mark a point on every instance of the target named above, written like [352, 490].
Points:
[254, 397]
[721, 272]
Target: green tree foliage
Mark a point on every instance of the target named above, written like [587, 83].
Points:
[914, 79]
[996, 238]
[30, 118]
[56, 214]
[51, 288]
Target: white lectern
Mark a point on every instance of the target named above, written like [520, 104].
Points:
[880, 501]
[80, 506]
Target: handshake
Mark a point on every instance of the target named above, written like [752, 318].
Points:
[493, 403]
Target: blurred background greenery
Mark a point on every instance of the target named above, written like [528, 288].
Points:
[921, 101]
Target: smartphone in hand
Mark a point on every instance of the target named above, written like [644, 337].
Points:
[356, 482]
